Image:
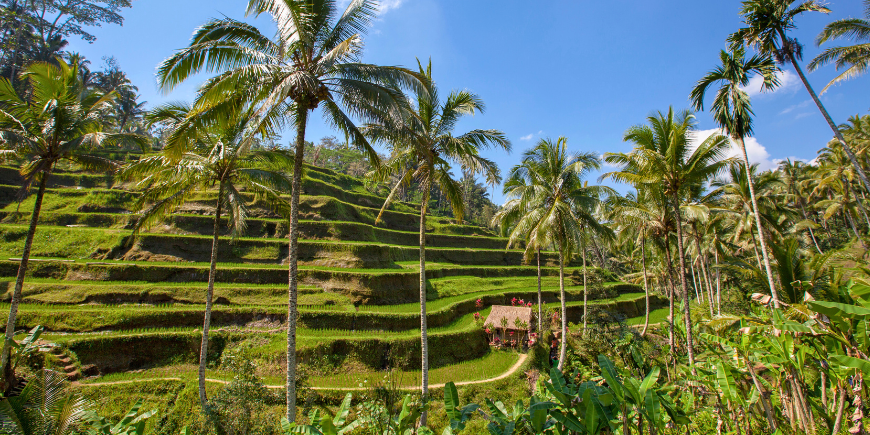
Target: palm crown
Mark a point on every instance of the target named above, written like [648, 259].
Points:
[312, 62]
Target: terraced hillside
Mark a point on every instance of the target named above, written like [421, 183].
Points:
[126, 308]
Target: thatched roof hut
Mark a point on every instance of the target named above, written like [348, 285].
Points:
[499, 312]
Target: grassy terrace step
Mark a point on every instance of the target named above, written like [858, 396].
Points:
[460, 341]
[88, 318]
[311, 207]
[363, 286]
[193, 224]
[313, 183]
[50, 291]
[101, 243]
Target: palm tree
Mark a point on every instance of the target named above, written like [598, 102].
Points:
[197, 157]
[422, 146]
[313, 62]
[733, 112]
[663, 155]
[58, 120]
[44, 407]
[767, 24]
[793, 175]
[554, 206]
[637, 214]
[853, 58]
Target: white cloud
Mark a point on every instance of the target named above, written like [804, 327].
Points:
[788, 81]
[384, 5]
[794, 107]
[756, 152]
[531, 136]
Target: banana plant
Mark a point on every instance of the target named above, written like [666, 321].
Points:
[133, 423]
[639, 400]
[378, 417]
[324, 424]
[458, 415]
[585, 408]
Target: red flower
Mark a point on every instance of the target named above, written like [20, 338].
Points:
[479, 303]
[530, 305]
[487, 330]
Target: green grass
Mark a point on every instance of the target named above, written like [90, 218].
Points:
[490, 366]
[656, 316]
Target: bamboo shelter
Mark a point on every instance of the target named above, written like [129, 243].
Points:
[509, 326]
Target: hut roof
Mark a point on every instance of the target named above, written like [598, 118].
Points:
[511, 314]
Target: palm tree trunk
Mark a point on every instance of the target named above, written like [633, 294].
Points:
[839, 136]
[863, 211]
[585, 293]
[424, 340]
[718, 283]
[19, 284]
[755, 248]
[645, 288]
[764, 255]
[293, 286]
[209, 294]
[687, 315]
[695, 282]
[812, 234]
[14, 58]
[563, 351]
[672, 303]
[703, 268]
[540, 302]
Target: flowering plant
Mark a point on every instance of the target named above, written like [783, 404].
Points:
[479, 303]
[476, 316]
[514, 302]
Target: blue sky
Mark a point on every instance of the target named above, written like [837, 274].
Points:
[585, 70]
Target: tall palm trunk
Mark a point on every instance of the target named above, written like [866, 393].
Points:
[761, 237]
[293, 286]
[858, 201]
[540, 301]
[585, 292]
[812, 234]
[563, 351]
[19, 283]
[718, 282]
[695, 282]
[424, 340]
[671, 298]
[209, 294]
[703, 267]
[645, 288]
[846, 147]
[687, 316]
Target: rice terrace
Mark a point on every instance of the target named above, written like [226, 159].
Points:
[285, 224]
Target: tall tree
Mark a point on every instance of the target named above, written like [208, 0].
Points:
[422, 145]
[312, 62]
[552, 208]
[767, 25]
[199, 157]
[733, 112]
[59, 119]
[664, 155]
[853, 59]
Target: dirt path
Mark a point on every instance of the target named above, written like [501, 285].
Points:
[510, 371]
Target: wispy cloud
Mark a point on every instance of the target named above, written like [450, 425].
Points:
[383, 6]
[756, 152]
[531, 136]
[788, 82]
[794, 107]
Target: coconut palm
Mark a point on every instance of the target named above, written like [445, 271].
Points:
[58, 119]
[199, 157]
[731, 109]
[637, 214]
[554, 205]
[422, 145]
[854, 59]
[793, 174]
[44, 407]
[663, 155]
[767, 25]
[313, 62]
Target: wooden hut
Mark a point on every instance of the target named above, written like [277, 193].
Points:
[509, 325]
